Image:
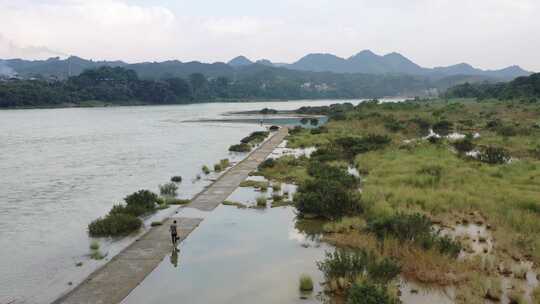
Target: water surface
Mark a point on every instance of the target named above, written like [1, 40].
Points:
[62, 168]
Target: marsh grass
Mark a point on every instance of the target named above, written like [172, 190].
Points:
[168, 189]
[345, 225]
[261, 201]
[177, 201]
[97, 255]
[235, 204]
[205, 170]
[255, 184]
[224, 163]
[94, 245]
[305, 283]
[276, 187]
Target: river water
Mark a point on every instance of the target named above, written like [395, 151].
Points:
[62, 168]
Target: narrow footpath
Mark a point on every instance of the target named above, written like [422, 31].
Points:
[111, 283]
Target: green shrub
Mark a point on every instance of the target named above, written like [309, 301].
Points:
[448, 246]
[297, 130]
[143, 198]
[276, 197]
[97, 255]
[177, 201]
[267, 163]
[255, 137]
[507, 131]
[304, 120]
[422, 124]
[332, 193]
[353, 146]
[326, 198]
[176, 179]
[326, 154]
[314, 121]
[94, 245]
[261, 201]
[494, 156]
[463, 145]
[224, 163]
[276, 186]
[350, 264]
[114, 225]
[393, 125]
[268, 111]
[414, 228]
[443, 127]
[306, 283]
[168, 189]
[319, 130]
[254, 184]
[205, 169]
[240, 148]
[135, 210]
[405, 227]
[369, 293]
[218, 168]
[274, 128]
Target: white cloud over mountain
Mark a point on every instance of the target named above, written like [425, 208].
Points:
[487, 33]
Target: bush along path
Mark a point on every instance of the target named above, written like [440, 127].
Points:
[116, 279]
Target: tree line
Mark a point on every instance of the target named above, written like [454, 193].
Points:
[526, 88]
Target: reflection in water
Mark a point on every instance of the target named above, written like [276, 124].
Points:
[174, 257]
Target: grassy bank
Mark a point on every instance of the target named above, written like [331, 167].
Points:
[482, 168]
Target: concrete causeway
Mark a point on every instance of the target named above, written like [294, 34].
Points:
[111, 283]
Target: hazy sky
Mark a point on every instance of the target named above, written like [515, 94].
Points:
[486, 33]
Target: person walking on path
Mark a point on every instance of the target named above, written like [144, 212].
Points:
[174, 233]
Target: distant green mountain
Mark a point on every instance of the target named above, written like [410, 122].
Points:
[394, 63]
[239, 61]
[365, 62]
[526, 87]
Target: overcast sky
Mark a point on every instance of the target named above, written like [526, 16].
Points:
[489, 34]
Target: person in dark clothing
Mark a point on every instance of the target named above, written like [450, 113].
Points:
[174, 233]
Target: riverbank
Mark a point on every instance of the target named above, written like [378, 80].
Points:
[117, 278]
[104, 104]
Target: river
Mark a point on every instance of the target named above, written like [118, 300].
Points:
[62, 168]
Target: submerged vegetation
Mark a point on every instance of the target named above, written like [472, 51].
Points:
[124, 218]
[247, 143]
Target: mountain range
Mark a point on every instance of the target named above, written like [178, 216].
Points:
[367, 62]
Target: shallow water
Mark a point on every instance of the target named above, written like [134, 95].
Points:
[62, 168]
[237, 256]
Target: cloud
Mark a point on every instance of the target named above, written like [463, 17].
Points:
[485, 33]
[9, 49]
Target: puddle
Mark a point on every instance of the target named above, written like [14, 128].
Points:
[413, 293]
[248, 195]
[237, 256]
[282, 150]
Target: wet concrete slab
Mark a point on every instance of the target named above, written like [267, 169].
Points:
[216, 193]
[115, 280]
